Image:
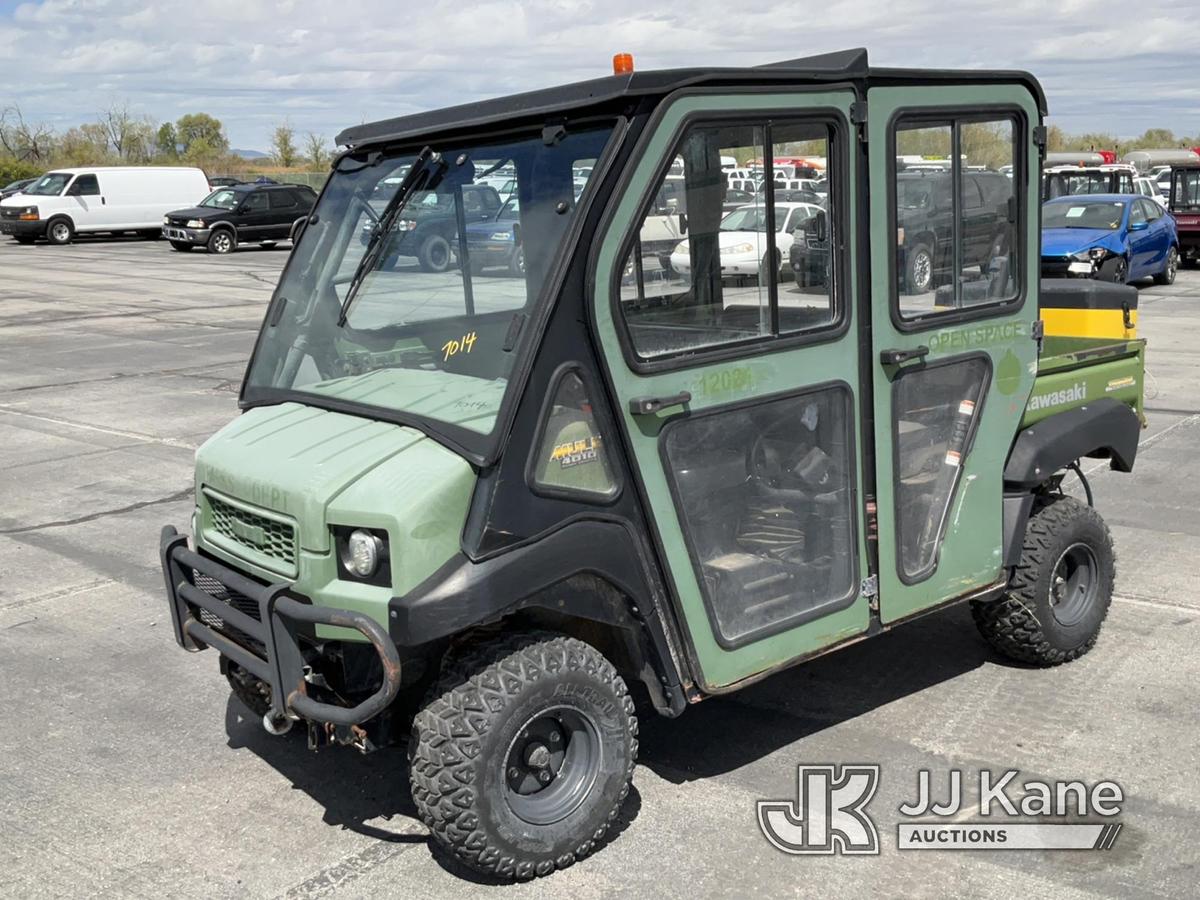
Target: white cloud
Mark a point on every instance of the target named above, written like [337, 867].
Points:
[329, 65]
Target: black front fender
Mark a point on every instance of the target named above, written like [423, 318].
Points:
[463, 594]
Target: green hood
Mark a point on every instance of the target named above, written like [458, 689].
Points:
[320, 468]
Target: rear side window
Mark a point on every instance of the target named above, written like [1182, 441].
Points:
[282, 200]
[85, 186]
[956, 215]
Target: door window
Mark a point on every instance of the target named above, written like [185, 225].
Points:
[715, 263]
[935, 409]
[955, 249]
[85, 186]
[256, 202]
[1137, 213]
[765, 494]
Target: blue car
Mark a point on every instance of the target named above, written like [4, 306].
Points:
[497, 242]
[1113, 237]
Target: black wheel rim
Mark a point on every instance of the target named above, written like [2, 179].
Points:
[551, 765]
[1074, 584]
[1119, 272]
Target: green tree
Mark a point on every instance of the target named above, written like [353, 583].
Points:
[201, 134]
[165, 141]
[283, 143]
[317, 151]
[85, 145]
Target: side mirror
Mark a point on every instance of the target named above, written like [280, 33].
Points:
[683, 223]
[821, 227]
[1138, 226]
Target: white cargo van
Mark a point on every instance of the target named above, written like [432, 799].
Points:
[66, 202]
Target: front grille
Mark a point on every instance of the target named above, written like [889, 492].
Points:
[10, 212]
[264, 535]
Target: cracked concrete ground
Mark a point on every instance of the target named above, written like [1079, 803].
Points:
[126, 770]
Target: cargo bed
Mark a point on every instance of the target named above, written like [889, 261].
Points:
[1075, 370]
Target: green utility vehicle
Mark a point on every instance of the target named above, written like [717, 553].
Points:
[485, 513]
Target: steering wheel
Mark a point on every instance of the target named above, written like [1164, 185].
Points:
[800, 470]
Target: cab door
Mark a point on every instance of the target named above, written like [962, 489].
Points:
[737, 389]
[953, 363]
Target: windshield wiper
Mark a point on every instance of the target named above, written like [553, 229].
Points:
[383, 227]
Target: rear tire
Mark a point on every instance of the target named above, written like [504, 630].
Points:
[1170, 268]
[523, 754]
[1061, 590]
[60, 231]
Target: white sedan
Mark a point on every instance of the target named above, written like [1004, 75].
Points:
[743, 238]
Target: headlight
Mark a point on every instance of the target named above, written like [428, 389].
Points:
[28, 214]
[739, 248]
[501, 236]
[1095, 254]
[405, 225]
[682, 248]
[195, 223]
[166, 221]
[362, 553]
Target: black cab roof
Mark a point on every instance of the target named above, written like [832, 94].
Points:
[614, 91]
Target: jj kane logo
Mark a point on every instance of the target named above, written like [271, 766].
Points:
[829, 814]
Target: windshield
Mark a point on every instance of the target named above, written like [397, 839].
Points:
[437, 319]
[49, 185]
[748, 218]
[1064, 184]
[914, 193]
[220, 200]
[1103, 214]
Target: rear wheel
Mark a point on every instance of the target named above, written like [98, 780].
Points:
[221, 242]
[1061, 590]
[523, 754]
[1170, 267]
[60, 231]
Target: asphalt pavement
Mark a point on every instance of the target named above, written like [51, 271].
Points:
[127, 770]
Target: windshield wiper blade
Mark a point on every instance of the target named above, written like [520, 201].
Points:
[383, 226]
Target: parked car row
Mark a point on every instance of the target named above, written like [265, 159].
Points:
[153, 201]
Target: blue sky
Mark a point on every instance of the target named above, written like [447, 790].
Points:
[322, 66]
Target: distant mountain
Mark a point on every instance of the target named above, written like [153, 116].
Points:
[250, 154]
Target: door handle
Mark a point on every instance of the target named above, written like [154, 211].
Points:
[103, 202]
[895, 357]
[645, 406]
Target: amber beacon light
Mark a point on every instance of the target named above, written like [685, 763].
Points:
[623, 64]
